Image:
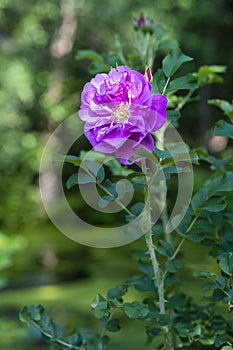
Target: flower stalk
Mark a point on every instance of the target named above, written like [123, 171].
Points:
[164, 216]
[158, 280]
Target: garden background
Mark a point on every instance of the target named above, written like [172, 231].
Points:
[41, 82]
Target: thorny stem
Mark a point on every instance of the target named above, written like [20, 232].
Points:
[158, 281]
[164, 215]
[157, 274]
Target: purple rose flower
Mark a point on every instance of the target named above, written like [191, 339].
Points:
[120, 112]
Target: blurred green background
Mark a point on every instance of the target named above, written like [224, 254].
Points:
[40, 87]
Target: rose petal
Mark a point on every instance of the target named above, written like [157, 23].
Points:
[121, 130]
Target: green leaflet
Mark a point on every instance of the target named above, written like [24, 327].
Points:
[173, 61]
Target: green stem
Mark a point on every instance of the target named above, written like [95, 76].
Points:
[184, 100]
[165, 86]
[56, 340]
[177, 249]
[150, 245]
[174, 256]
[116, 199]
[192, 223]
[157, 274]
[108, 192]
[164, 216]
[158, 281]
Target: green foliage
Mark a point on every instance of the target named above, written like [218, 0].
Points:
[98, 64]
[222, 128]
[185, 82]
[173, 61]
[210, 74]
[136, 310]
[82, 339]
[159, 81]
[172, 320]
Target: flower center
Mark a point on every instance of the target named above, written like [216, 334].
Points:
[121, 113]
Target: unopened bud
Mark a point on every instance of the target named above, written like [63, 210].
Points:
[139, 22]
[148, 75]
[145, 24]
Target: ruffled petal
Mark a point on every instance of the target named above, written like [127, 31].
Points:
[120, 112]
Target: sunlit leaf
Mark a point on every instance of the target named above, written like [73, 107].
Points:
[210, 74]
[173, 61]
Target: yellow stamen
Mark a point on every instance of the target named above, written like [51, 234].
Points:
[121, 113]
